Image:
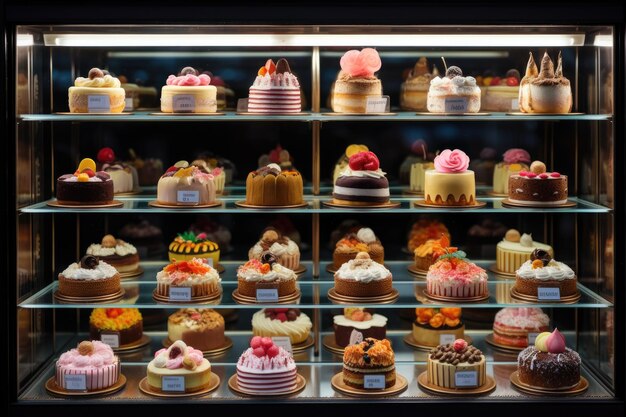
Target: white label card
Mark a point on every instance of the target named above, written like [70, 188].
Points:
[111, 339]
[75, 382]
[466, 379]
[531, 338]
[188, 197]
[375, 104]
[544, 293]
[173, 383]
[456, 105]
[128, 104]
[183, 103]
[267, 294]
[374, 382]
[356, 337]
[98, 104]
[283, 342]
[445, 339]
[180, 293]
[514, 104]
[242, 105]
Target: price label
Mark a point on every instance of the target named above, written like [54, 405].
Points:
[75, 382]
[445, 339]
[190, 197]
[112, 339]
[376, 104]
[514, 104]
[180, 293]
[374, 382]
[264, 295]
[546, 293]
[210, 261]
[356, 337]
[242, 105]
[128, 104]
[456, 105]
[283, 342]
[183, 103]
[531, 338]
[466, 379]
[98, 103]
[173, 383]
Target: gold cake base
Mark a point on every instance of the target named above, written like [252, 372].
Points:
[508, 203]
[358, 114]
[98, 299]
[422, 381]
[216, 203]
[186, 114]
[525, 298]
[577, 389]
[243, 204]
[418, 273]
[286, 299]
[423, 203]
[456, 300]
[493, 268]
[53, 389]
[56, 203]
[398, 388]
[425, 113]
[131, 274]
[346, 299]
[214, 382]
[228, 343]
[234, 387]
[335, 204]
[410, 340]
[209, 299]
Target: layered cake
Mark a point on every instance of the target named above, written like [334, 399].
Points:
[284, 249]
[287, 322]
[93, 359]
[126, 323]
[363, 277]
[219, 175]
[450, 183]
[445, 361]
[359, 239]
[214, 161]
[538, 187]
[356, 81]
[513, 161]
[265, 273]
[362, 183]
[271, 186]
[453, 93]
[189, 92]
[149, 170]
[357, 319]
[515, 249]
[189, 245]
[541, 271]
[484, 165]
[200, 327]
[179, 360]
[549, 363]
[89, 278]
[344, 160]
[99, 93]
[417, 173]
[275, 90]
[545, 90]
[121, 255]
[425, 229]
[124, 176]
[456, 277]
[428, 252]
[501, 93]
[369, 357]
[432, 326]
[196, 274]
[86, 186]
[265, 368]
[512, 325]
[414, 90]
[186, 185]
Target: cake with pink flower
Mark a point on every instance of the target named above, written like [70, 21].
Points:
[275, 89]
[512, 325]
[356, 81]
[93, 359]
[451, 183]
[456, 277]
[188, 92]
[186, 185]
[514, 160]
[265, 368]
[179, 360]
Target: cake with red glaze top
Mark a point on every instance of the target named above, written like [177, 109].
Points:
[538, 187]
[362, 182]
[456, 277]
[86, 186]
[275, 90]
[512, 325]
[265, 368]
[93, 359]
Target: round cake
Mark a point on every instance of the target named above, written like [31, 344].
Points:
[126, 323]
[541, 271]
[414, 90]
[356, 81]
[86, 186]
[425, 229]
[362, 182]
[93, 359]
[484, 165]
[121, 255]
[545, 90]
[361, 239]
[453, 93]
[124, 176]
[89, 278]
[445, 361]
[360, 320]
[414, 165]
[185, 185]
[179, 360]
[456, 277]
[149, 170]
[266, 273]
[284, 249]
[219, 174]
[288, 322]
[344, 160]
[275, 90]
[427, 253]
[200, 327]
[265, 368]
[537, 187]
[271, 186]
[363, 277]
[368, 357]
[189, 245]
[99, 93]
[450, 183]
[196, 274]
[514, 161]
[514, 250]
[434, 325]
[501, 93]
[189, 92]
[512, 325]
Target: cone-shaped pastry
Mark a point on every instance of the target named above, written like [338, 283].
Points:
[559, 67]
[545, 91]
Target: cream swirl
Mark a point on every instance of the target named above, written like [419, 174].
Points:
[277, 273]
[553, 271]
[455, 86]
[285, 80]
[189, 80]
[366, 235]
[102, 271]
[354, 270]
[107, 81]
[349, 172]
[101, 355]
[174, 356]
[452, 161]
[295, 330]
[121, 249]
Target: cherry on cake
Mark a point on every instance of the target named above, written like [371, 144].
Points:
[186, 185]
[179, 360]
[454, 276]
[265, 273]
[369, 357]
[275, 89]
[281, 246]
[432, 325]
[86, 186]
[361, 320]
[99, 93]
[199, 327]
[545, 90]
[453, 93]
[541, 271]
[446, 360]
[515, 249]
[356, 81]
[188, 92]
[362, 183]
[89, 278]
[126, 323]
[120, 254]
[514, 160]
[282, 322]
[538, 187]
[512, 325]
[363, 277]
[93, 359]
[196, 274]
[451, 183]
[265, 368]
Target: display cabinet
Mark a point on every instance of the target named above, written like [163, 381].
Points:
[47, 52]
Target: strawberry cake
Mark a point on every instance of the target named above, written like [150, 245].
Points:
[456, 277]
[512, 325]
[93, 359]
[362, 182]
[275, 90]
[265, 368]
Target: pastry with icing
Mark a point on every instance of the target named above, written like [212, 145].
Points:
[199, 327]
[90, 277]
[546, 90]
[188, 92]
[414, 89]
[126, 323]
[186, 185]
[500, 93]
[100, 92]
[120, 254]
[434, 325]
[453, 93]
[275, 89]
[445, 360]
[514, 160]
[282, 322]
[451, 183]
[512, 325]
[179, 360]
[356, 81]
[358, 320]
[125, 177]
[93, 359]
[265, 273]
[541, 271]
[363, 277]
[265, 368]
[358, 239]
[196, 274]
[369, 357]
[343, 161]
[362, 183]
[537, 187]
[86, 186]
[281, 246]
[515, 249]
[454, 276]
[272, 186]
[189, 245]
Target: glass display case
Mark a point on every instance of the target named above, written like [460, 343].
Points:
[46, 56]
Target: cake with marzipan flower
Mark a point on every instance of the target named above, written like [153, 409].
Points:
[433, 323]
[271, 186]
[93, 359]
[266, 273]
[356, 81]
[363, 277]
[445, 361]
[265, 368]
[361, 320]
[89, 278]
[179, 360]
[515, 249]
[456, 277]
[288, 322]
[369, 357]
[541, 271]
[125, 322]
[117, 253]
[361, 239]
[200, 327]
[196, 274]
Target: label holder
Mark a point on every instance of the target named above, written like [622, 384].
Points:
[377, 104]
[173, 383]
[549, 293]
[374, 382]
[180, 294]
[77, 382]
[466, 379]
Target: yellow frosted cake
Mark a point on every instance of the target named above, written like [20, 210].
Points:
[99, 93]
[515, 249]
[450, 183]
[188, 93]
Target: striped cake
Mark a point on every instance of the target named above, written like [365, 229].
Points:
[95, 360]
[275, 90]
[265, 368]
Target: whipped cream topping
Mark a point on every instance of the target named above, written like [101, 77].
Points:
[523, 317]
[276, 273]
[74, 178]
[249, 362]
[101, 271]
[107, 81]
[349, 172]
[455, 86]
[173, 356]
[289, 247]
[362, 271]
[553, 271]
[301, 325]
[285, 80]
[188, 279]
[376, 321]
[366, 235]
[102, 355]
[121, 249]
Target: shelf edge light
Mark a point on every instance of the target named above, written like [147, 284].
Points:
[605, 41]
[24, 40]
[308, 40]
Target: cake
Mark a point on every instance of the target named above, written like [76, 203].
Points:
[433, 326]
[541, 271]
[512, 325]
[358, 320]
[425, 229]
[146, 237]
[342, 162]
[124, 176]
[445, 361]
[453, 93]
[189, 245]
[514, 250]
[186, 185]
[513, 161]
[86, 186]
[275, 89]
[225, 94]
[363, 277]
[219, 175]
[285, 322]
[149, 170]
[131, 93]
[545, 90]
[214, 161]
[188, 93]
[359, 239]
[549, 364]
[537, 187]
[362, 183]
[99, 93]
[265, 273]
[196, 274]
[93, 359]
[200, 327]
[428, 252]
[121, 255]
[126, 323]
[265, 368]
[456, 277]
[501, 93]
[418, 154]
[450, 183]
[89, 278]
[418, 167]
[484, 165]
[368, 357]
[271, 186]
[284, 249]
[356, 81]
[179, 360]
[414, 89]
[278, 156]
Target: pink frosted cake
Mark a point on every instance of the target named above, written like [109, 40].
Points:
[93, 359]
[454, 276]
[275, 90]
[512, 325]
[265, 368]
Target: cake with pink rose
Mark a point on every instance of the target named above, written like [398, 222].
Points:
[454, 276]
[275, 89]
[93, 359]
[514, 160]
[188, 92]
[362, 183]
[512, 325]
[356, 81]
[179, 360]
[451, 183]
